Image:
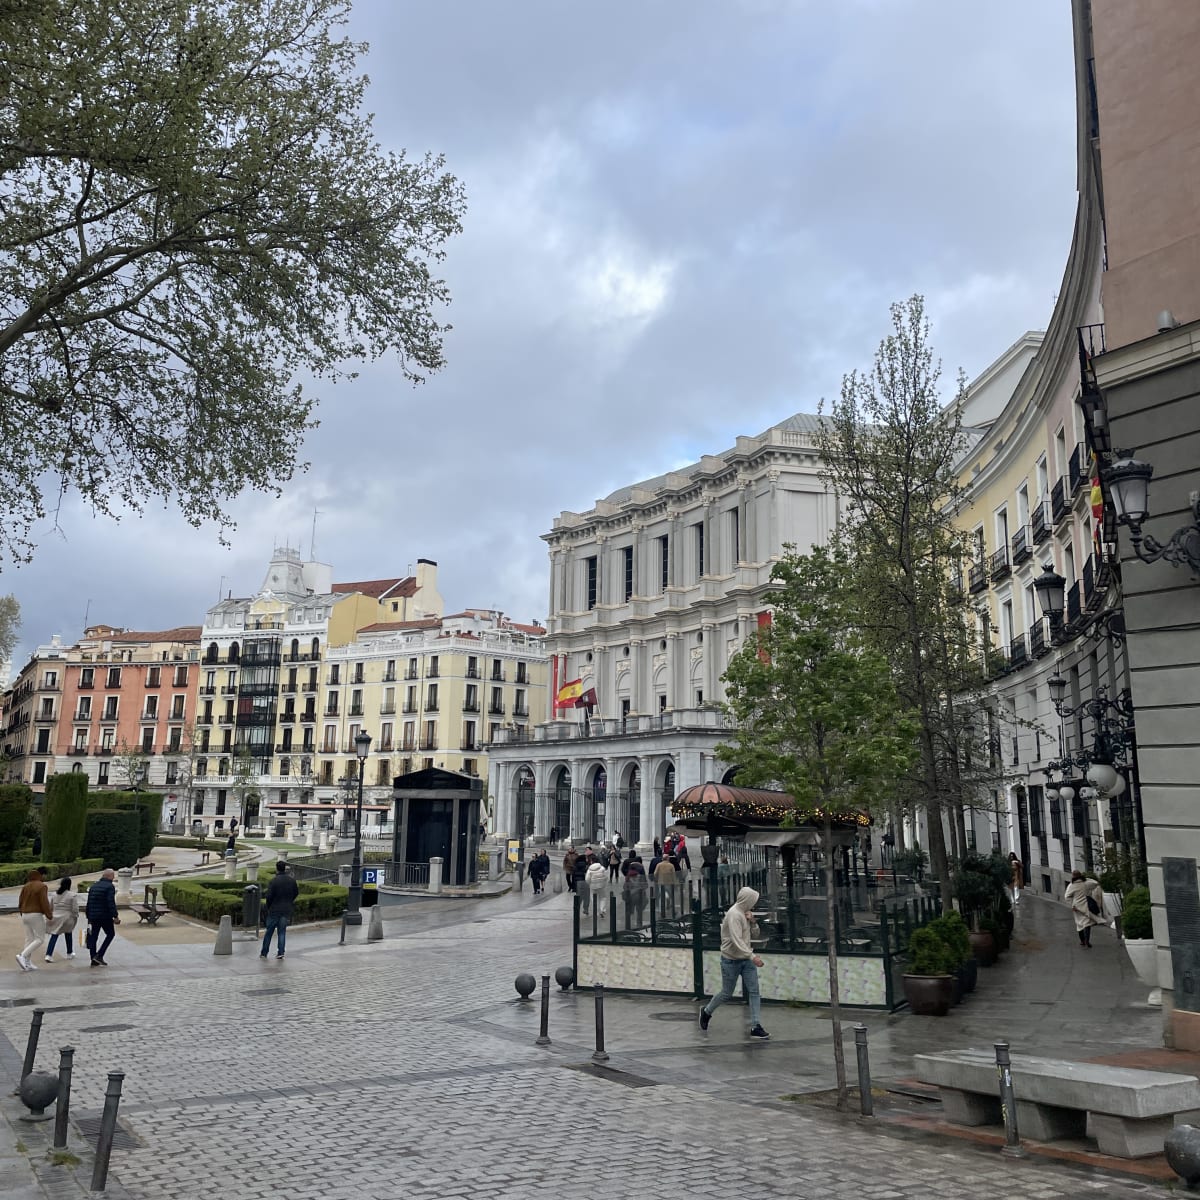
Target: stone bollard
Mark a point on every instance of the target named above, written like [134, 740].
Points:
[435, 875]
[124, 880]
[281, 855]
[314, 838]
[344, 874]
[224, 942]
[375, 924]
[230, 864]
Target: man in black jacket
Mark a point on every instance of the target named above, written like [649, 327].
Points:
[281, 900]
[101, 914]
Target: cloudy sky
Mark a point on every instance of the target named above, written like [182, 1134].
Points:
[687, 219]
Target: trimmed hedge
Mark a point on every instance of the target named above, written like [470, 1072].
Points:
[15, 874]
[16, 800]
[112, 834]
[191, 843]
[211, 899]
[149, 809]
[64, 816]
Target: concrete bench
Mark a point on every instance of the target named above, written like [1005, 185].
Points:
[1128, 1112]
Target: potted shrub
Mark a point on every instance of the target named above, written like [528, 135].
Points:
[1138, 927]
[998, 932]
[952, 929]
[929, 974]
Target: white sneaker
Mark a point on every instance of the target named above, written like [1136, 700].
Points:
[30, 966]
[48, 958]
[70, 953]
[23, 962]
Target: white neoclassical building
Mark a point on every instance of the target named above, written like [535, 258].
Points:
[651, 592]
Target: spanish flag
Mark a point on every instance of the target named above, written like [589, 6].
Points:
[569, 693]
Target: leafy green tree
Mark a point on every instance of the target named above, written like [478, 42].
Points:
[815, 714]
[16, 801]
[892, 448]
[196, 214]
[10, 622]
[64, 816]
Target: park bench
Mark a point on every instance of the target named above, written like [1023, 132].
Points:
[1129, 1112]
[139, 867]
[149, 911]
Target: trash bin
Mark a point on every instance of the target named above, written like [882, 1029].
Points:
[250, 906]
[370, 894]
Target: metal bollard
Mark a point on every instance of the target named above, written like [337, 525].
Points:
[1008, 1102]
[35, 1032]
[108, 1127]
[543, 1038]
[66, 1059]
[865, 1101]
[598, 1055]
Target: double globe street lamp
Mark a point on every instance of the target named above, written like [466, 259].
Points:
[353, 916]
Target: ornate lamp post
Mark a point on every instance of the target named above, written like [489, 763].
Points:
[362, 747]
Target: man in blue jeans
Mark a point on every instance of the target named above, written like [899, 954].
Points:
[281, 900]
[738, 961]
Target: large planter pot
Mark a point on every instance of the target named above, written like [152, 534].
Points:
[968, 975]
[1143, 953]
[929, 995]
[983, 946]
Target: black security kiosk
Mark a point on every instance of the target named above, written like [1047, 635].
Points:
[437, 816]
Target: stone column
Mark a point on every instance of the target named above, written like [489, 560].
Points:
[542, 818]
[576, 830]
[714, 651]
[744, 553]
[645, 833]
[773, 546]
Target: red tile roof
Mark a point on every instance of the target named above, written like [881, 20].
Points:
[384, 626]
[378, 589]
[181, 633]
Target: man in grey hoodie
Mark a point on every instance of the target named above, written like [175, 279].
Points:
[738, 961]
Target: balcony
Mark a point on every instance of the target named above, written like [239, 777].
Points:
[208, 691]
[470, 748]
[495, 710]
[331, 712]
[1022, 545]
[520, 710]
[1072, 613]
[301, 658]
[408, 747]
[287, 718]
[389, 677]
[78, 751]
[1079, 473]
[49, 687]
[429, 744]
[385, 747]
[308, 717]
[149, 715]
[204, 719]
[356, 710]
[1059, 507]
[1038, 643]
[977, 578]
[498, 677]
[471, 706]
[285, 748]
[156, 682]
[86, 687]
[387, 710]
[333, 679]
[110, 714]
[358, 678]
[1039, 523]
[46, 718]
[412, 673]
[432, 673]
[308, 687]
[998, 565]
[229, 691]
[1017, 654]
[227, 719]
[290, 689]
[1089, 582]
[431, 706]
[473, 673]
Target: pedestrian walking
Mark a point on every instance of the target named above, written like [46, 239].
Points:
[539, 872]
[281, 902]
[554, 835]
[682, 853]
[34, 906]
[579, 873]
[596, 886]
[65, 903]
[1018, 877]
[635, 891]
[569, 868]
[614, 861]
[102, 916]
[1087, 904]
[665, 878]
[739, 961]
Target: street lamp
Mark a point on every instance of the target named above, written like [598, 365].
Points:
[1129, 482]
[362, 747]
[1051, 592]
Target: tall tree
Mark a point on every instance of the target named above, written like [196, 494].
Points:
[194, 213]
[892, 447]
[816, 715]
[10, 622]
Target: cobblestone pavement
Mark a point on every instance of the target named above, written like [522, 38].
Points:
[407, 1068]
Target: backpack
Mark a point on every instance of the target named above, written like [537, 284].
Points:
[603, 858]
[620, 842]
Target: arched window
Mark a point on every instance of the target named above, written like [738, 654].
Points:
[295, 649]
[316, 647]
[211, 654]
[234, 652]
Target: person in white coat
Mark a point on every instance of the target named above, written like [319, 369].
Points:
[1079, 893]
[65, 903]
[597, 886]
